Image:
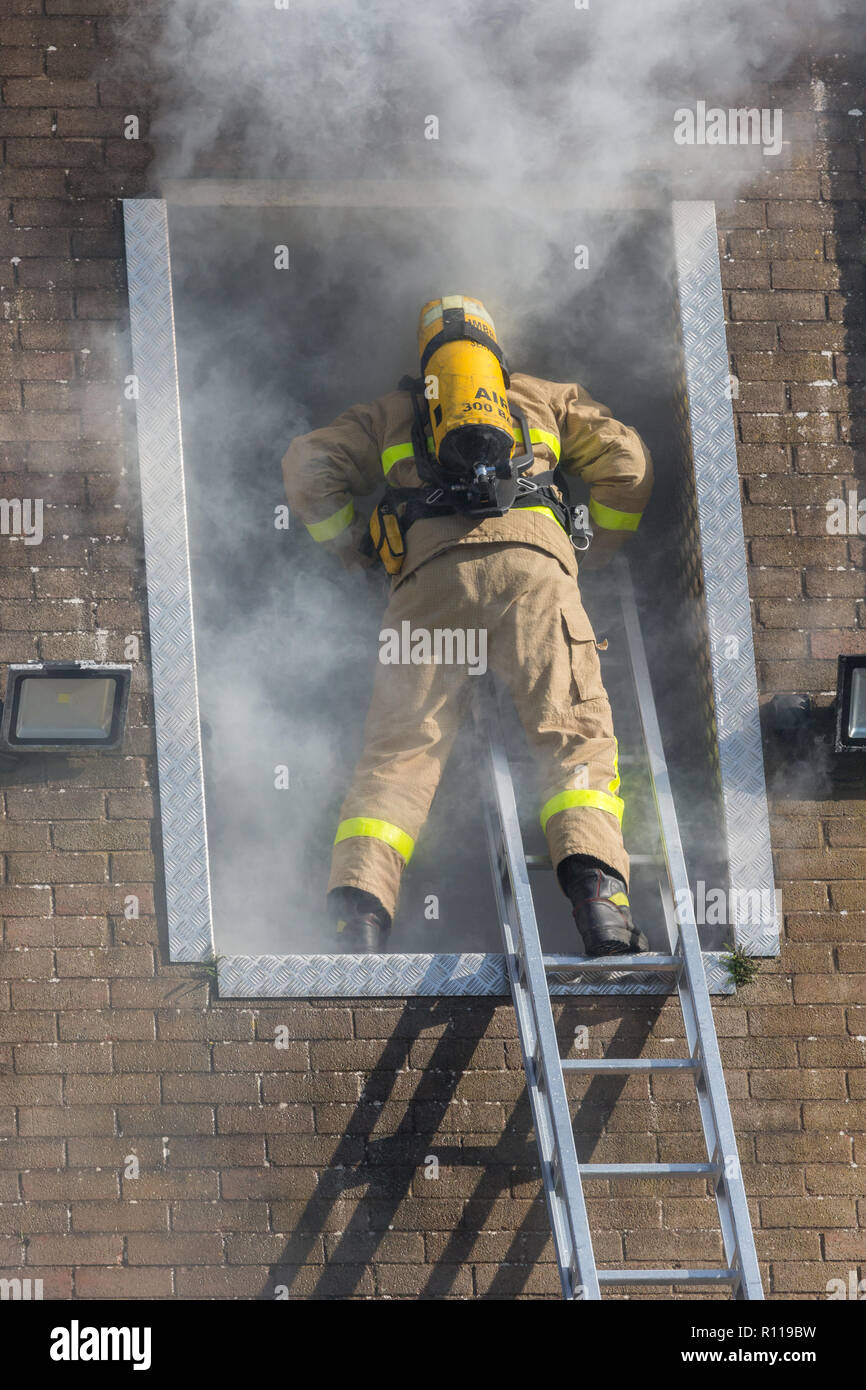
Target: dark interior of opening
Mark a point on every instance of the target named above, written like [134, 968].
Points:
[286, 641]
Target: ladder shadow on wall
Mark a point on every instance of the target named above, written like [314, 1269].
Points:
[392, 1169]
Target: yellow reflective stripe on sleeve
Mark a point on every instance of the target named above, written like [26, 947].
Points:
[612, 520]
[398, 452]
[378, 830]
[332, 526]
[565, 801]
[545, 511]
[540, 437]
[394, 455]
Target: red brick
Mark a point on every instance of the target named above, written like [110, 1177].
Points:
[832, 643]
[24, 963]
[197, 1248]
[186, 1184]
[32, 424]
[102, 835]
[150, 994]
[124, 1283]
[845, 1245]
[810, 1211]
[777, 305]
[110, 962]
[220, 1216]
[282, 1183]
[157, 1056]
[218, 1151]
[70, 1249]
[53, 1057]
[264, 1119]
[805, 1021]
[20, 62]
[118, 1217]
[43, 92]
[106, 1025]
[165, 1119]
[59, 994]
[47, 1120]
[261, 1057]
[241, 1282]
[82, 900]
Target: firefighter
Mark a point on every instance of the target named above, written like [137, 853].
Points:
[476, 535]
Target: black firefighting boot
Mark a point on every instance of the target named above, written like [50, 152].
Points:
[362, 922]
[601, 910]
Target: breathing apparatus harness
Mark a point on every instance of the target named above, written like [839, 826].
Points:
[473, 468]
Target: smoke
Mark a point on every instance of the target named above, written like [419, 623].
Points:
[521, 90]
[538, 113]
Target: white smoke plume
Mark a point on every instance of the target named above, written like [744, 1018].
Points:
[522, 90]
[531, 108]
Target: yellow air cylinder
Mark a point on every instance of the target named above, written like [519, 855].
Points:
[465, 384]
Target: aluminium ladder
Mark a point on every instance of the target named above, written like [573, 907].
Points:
[528, 969]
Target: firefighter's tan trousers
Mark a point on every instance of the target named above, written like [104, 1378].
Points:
[539, 640]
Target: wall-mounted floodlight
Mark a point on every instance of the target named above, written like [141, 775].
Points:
[851, 705]
[56, 706]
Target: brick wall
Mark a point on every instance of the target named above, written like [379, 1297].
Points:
[306, 1167]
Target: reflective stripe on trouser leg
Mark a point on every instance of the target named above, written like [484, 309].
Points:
[581, 796]
[379, 830]
[370, 853]
[583, 821]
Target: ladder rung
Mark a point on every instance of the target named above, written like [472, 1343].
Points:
[538, 861]
[596, 964]
[543, 861]
[629, 1064]
[649, 1170]
[667, 1276]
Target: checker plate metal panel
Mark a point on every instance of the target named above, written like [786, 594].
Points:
[721, 552]
[721, 577]
[178, 735]
[330, 977]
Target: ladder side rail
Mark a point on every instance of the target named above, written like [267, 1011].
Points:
[565, 1242]
[536, 1029]
[692, 983]
[719, 1159]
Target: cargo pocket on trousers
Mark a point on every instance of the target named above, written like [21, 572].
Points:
[586, 682]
